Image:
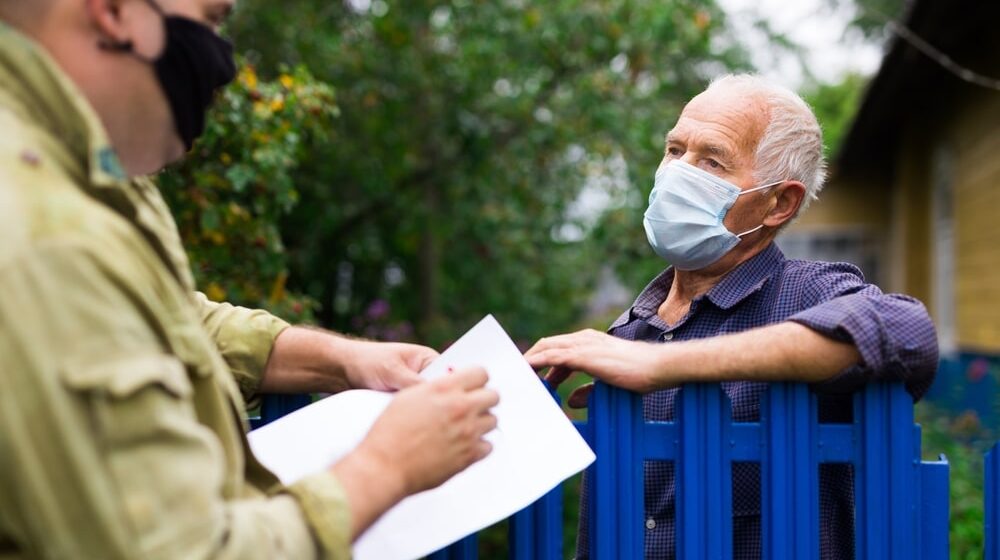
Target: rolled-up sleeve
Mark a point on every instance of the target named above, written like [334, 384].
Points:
[893, 333]
[324, 502]
[103, 452]
[245, 338]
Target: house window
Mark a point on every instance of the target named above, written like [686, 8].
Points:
[857, 246]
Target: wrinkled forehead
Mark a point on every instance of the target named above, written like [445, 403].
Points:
[737, 118]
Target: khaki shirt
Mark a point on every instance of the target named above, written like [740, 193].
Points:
[122, 424]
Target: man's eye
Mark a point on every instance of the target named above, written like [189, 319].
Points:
[674, 151]
[713, 164]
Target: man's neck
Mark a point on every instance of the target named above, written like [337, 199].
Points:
[141, 133]
[690, 284]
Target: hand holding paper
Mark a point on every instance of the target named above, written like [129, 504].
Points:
[535, 447]
[425, 436]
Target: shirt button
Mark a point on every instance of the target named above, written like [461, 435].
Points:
[651, 524]
[668, 336]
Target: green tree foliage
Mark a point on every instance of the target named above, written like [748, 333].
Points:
[870, 16]
[477, 147]
[835, 106]
[229, 195]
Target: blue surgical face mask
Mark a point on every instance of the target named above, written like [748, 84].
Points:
[684, 219]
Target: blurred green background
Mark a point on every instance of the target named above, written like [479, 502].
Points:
[398, 170]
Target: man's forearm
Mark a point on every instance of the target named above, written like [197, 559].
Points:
[784, 352]
[306, 361]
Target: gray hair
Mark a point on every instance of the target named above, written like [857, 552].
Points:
[791, 147]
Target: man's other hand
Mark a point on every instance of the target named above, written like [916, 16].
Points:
[627, 364]
[385, 366]
[307, 360]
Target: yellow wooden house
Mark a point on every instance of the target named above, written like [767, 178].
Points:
[914, 195]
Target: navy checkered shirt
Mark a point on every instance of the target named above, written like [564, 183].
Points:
[893, 334]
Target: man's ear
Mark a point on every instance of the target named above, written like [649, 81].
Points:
[787, 201]
[107, 17]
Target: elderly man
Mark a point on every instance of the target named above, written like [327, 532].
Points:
[121, 418]
[744, 159]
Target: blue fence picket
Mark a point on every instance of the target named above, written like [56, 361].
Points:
[992, 503]
[789, 474]
[704, 474]
[934, 510]
[273, 407]
[886, 486]
[616, 431]
[465, 549]
[535, 533]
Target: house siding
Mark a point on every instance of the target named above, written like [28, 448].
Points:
[976, 134]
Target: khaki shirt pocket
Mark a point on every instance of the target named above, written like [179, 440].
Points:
[162, 461]
[124, 377]
[131, 398]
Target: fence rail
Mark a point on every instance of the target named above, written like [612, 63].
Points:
[901, 502]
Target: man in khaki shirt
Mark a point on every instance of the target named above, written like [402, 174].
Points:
[122, 389]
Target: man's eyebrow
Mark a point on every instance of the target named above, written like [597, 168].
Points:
[719, 152]
[715, 150]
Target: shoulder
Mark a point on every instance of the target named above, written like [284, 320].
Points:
[17, 165]
[809, 271]
[810, 279]
[40, 204]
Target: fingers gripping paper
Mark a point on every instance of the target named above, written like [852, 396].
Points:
[535, 447]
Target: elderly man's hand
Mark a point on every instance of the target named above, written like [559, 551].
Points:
[385, 366]
[627, 364]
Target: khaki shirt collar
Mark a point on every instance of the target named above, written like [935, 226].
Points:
[34, 87]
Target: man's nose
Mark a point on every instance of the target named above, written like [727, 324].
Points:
[689, 158]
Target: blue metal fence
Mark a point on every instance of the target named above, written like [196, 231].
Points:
[992, 468]
[901, 501]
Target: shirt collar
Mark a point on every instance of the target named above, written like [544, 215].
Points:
[649, 299]
[747, 278]
[33, 86]
[744, 280]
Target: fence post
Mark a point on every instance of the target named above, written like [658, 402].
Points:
[616, 425]
[790, 473]
[704, 474]
[886, 484]
[992, 503]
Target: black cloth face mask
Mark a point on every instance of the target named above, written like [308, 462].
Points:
[193, 66]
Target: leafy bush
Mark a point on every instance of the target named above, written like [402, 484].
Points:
[229, 195]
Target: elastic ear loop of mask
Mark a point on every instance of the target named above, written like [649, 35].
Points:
[760, 188]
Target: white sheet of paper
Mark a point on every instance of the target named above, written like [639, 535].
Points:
[535, 447]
